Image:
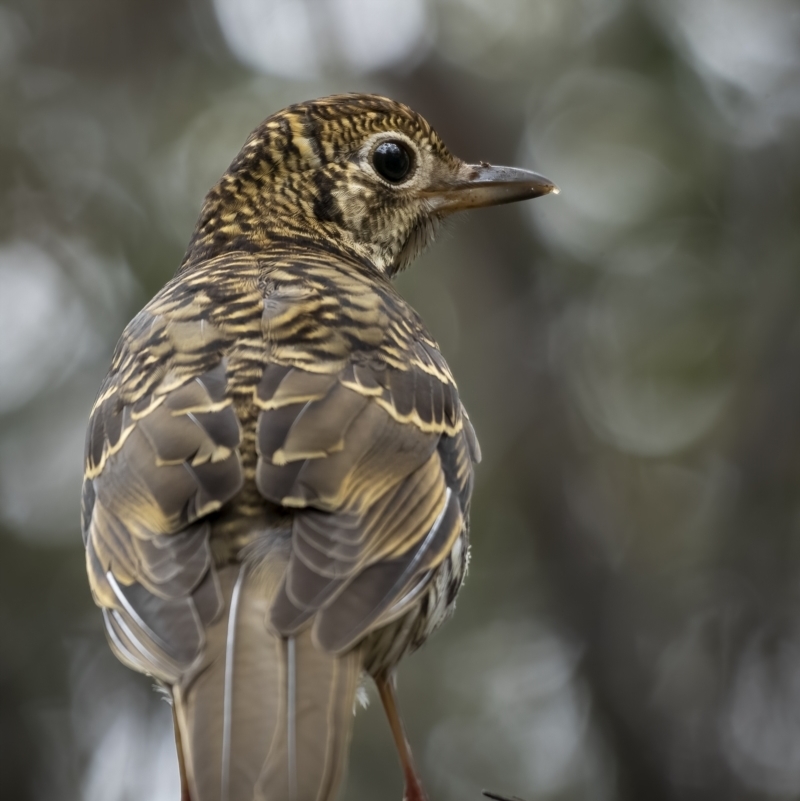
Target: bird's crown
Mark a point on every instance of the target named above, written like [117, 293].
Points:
[308, 135]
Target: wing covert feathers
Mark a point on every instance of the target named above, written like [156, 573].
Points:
[153, 475]
[378, 460]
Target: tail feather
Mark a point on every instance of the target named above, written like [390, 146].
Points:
[264, 718]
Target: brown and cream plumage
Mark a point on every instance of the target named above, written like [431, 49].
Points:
[278, 465]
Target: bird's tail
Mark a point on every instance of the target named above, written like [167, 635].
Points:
[264, 718]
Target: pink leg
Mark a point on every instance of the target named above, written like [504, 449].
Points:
[386, 689]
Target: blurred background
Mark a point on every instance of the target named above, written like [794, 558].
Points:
[629, 352]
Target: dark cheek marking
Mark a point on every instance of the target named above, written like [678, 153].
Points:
[326, 209]
[313, 131]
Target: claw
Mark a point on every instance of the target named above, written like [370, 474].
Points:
[498, 797]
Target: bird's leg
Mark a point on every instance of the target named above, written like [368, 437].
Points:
[181, 764]
[386, 689]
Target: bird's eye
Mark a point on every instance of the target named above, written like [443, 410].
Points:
[392, 161]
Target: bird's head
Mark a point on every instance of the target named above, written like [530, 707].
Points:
[358, 172]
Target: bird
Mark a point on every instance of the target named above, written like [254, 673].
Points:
[278, 464]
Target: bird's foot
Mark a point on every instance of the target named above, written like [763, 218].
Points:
[498, 797]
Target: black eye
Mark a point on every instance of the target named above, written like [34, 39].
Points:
[392, 161]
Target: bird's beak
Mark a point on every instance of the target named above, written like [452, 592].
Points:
[478, 185]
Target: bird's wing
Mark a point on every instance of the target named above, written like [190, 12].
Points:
[375, 453]
[162, 453]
